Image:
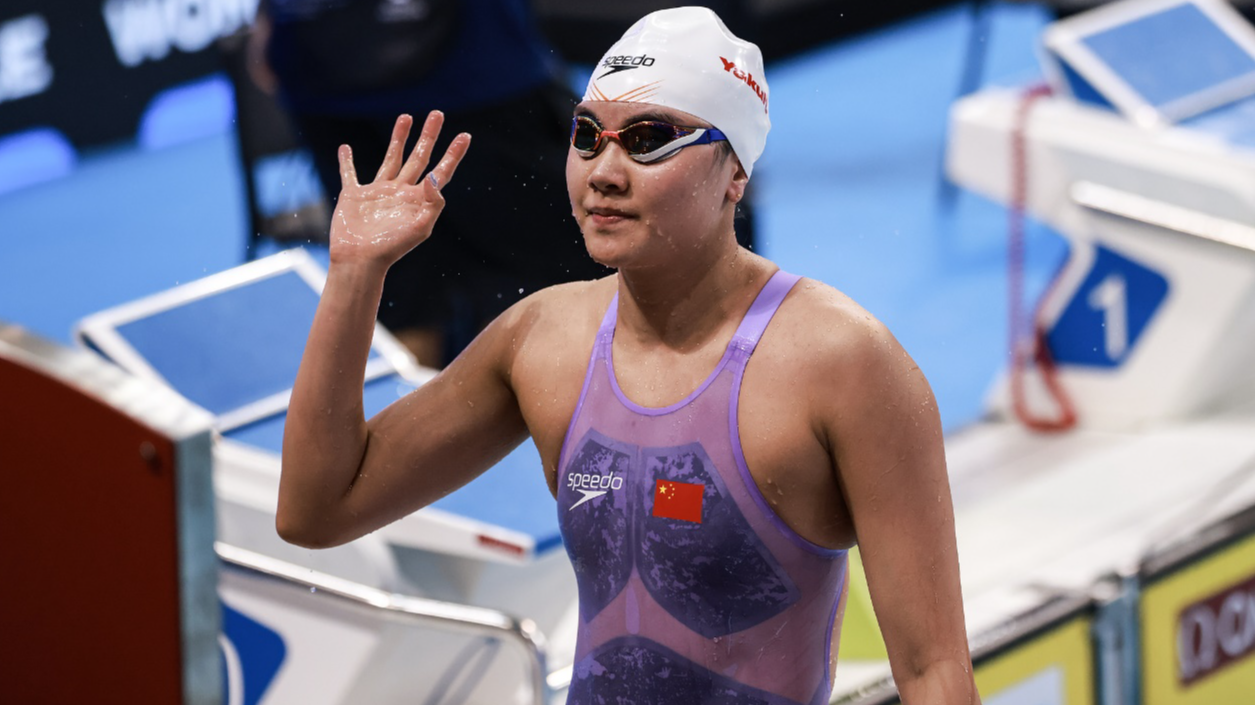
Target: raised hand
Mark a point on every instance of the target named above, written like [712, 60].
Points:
[377, 223]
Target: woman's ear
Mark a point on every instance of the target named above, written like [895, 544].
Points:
[736, 188]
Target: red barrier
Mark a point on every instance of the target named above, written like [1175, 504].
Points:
[93, 596]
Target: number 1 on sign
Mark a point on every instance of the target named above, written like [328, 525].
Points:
[1110, 298]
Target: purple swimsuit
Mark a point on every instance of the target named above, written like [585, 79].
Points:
[691, 588]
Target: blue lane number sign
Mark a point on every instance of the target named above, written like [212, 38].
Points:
[251, 656]
[1108, 312]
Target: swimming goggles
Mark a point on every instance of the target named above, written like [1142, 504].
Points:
[646, 141]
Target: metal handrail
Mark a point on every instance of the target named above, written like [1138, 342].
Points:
[456, 617]
[560, 678]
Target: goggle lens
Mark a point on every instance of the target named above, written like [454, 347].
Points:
[646, 137]
[644, 141]
[585, 134]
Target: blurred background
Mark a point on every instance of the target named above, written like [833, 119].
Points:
[125, 159]
[1075, 176]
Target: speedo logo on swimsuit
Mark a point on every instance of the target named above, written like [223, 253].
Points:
[747, 78]
[625, 63]
[592, 486]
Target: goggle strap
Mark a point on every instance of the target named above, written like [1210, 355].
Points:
[710, 135]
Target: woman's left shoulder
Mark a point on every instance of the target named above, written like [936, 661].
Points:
[826, 319]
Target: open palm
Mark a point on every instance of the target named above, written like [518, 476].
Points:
[380, 221]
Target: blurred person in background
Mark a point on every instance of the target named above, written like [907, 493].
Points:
[344, 69]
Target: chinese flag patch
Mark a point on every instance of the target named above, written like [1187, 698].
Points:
[679, 500]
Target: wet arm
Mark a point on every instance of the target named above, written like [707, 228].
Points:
[887, 445]
[326, 436]
[342, 477]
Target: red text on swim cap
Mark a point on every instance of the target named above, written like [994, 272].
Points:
[748, 78]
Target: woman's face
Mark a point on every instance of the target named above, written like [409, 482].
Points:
[639, 215]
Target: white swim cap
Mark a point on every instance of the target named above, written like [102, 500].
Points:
[685, 58]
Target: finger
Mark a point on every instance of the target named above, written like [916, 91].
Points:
[418, 159]
[442, 174]
[348, 173]
[392, 159]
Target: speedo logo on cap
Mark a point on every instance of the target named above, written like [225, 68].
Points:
[625, 63]
[747, 78]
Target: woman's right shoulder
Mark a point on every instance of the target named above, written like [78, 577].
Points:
[570, 306]
[557, 317]
[547, 337]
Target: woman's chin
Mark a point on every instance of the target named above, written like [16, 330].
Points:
[608, 251]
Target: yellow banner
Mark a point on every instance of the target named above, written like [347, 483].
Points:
[1054, 668]
[1198, 631]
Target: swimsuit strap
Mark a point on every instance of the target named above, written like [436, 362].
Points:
[764, 307]
[605, 333]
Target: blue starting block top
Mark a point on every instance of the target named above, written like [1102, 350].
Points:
[1156, 61]
[248, 342]
[232, 344]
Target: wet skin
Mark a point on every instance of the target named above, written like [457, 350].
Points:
[839, 427]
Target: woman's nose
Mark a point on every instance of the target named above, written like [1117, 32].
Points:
[608, 168]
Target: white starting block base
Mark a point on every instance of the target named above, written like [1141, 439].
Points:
[1158, 297]
[1041, 520]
